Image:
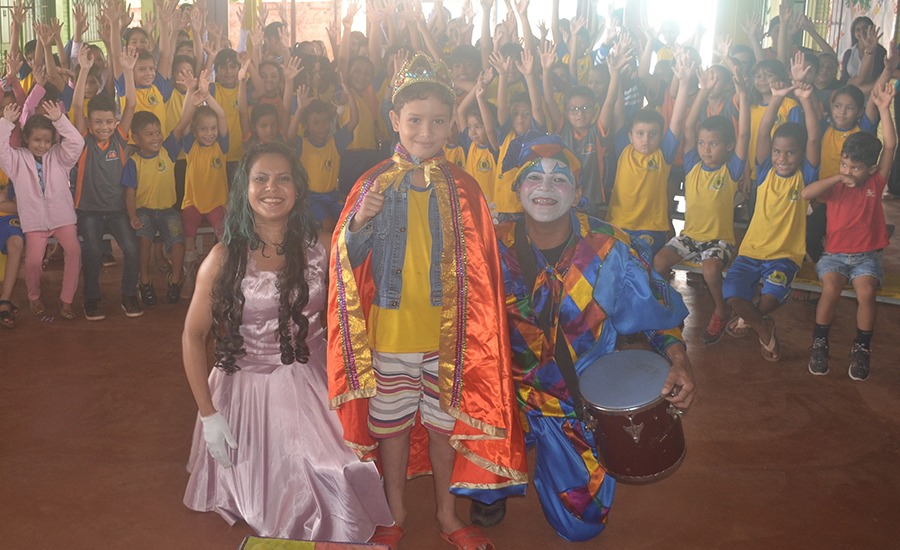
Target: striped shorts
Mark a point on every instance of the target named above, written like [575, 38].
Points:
[407, 382]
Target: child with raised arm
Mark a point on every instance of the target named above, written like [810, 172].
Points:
[99, 194]
[856, 235]
[320, 153]
[646, 150]
[262, 124]
[206, 181]
[775, 242]
[418, 335]
[12, 245]
[714, 162]
[40, 171]
[479, 138]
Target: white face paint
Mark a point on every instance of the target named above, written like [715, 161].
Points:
[547, 193]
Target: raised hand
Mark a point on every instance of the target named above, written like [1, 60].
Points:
[522, 7]
[502, 64]
[303, 99]
[85, 59]
[17, 13]
[352, 10]
[802, 90]
[753, 28]
[12, 112]
[781, 89]
[483, 81]
[44, 33]
[799, 69]
[893, 58]
[871, 38]
[56, 27]
[262, 13]
[129, 58]
[526, 66]
[14, 63]
[40, 75]
[722, 46]
[52, 109]
[740, 83]
[884, 96]
[371, 206]
[542, 28]
[244, 70]
[291, 67]
[684, 67]
[708, 80]
[256, 36]
[547, 52]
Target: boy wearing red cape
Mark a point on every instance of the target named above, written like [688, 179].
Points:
[419, 360]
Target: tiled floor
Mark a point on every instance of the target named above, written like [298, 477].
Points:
[96, 420]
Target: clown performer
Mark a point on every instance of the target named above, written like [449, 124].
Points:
[417, 332]
[590, 285]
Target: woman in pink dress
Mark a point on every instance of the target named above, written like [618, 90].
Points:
[266, 447]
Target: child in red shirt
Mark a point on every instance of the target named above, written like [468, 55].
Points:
[856, 234]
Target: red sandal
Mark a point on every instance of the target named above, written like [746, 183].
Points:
[389, 536]
[468, 538]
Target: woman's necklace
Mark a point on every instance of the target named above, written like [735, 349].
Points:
[279, 249]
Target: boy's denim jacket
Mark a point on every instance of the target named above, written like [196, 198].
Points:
[385, 237]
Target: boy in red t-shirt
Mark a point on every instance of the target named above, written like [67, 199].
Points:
[856, 234]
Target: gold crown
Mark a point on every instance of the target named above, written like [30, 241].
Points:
[422, 68]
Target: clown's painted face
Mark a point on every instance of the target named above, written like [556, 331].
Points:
[547, 192]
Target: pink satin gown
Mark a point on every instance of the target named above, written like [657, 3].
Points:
[292, 476]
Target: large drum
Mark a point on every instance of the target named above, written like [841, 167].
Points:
[638, 432]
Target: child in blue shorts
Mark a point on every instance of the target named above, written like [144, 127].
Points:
[855, 236]
[12, 244]
[775, 242]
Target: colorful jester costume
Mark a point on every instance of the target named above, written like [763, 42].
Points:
[475, 375]
[600, 287]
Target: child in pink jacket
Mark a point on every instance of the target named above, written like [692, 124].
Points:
[40, 175]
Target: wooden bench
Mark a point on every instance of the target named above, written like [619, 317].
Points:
[806, 279]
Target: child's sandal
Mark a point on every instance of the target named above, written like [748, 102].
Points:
[37, 308]
[772, 350]
[468, 538]
[737, 328]
[8, 316]
[67, 314]
[387, 535]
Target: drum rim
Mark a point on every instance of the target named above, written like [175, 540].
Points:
[632, 408]
[626, 411]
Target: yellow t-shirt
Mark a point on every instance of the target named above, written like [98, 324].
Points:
[364, 134]
[416, 326]
[150, 99]
[481, 165]
[156, 181]
[709, 199]
[511, 90]
[228, 99]
[503, 195]
[456, 155]
[173, 116]
[4, 189]
[205, 180]
[583, 66]
[322, 165]
[71, 113]
[756, 114]
[832, 145]
[778, 227]
[639, 201]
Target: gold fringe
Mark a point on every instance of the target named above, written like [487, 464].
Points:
[514, 475]
[339, 400]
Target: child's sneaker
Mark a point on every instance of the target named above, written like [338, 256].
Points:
[818, 357]
[92, 311]
[131, 306]
[716, 328]
[148, 295]
[859, 362]
[108, 260]
[173, 294]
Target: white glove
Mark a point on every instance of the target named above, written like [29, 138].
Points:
[217, 434]
[493, 208]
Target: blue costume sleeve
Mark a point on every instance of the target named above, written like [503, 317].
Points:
[642, 300]
[669, 146]
[129, 174]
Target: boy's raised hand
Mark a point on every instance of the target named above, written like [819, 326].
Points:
[740, 83]
[526, 66]
[40, 75]
[752, 28]
[708, 80]
[683, 67]
[371, 206]
[14, 62]
[502, 64]
[85, 59]
[722, 46]
[12, 112]
[242, 72]
[799, 72]
[802, 90]
[303, 99]
[129, 58]
[892, 60]
[547, 52]
[52, 109]
[291, 69]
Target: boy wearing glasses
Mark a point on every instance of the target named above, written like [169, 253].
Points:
[645, 151]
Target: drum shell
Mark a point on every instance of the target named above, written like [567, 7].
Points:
[641, 445]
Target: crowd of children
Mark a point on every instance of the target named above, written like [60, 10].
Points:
[140, 138]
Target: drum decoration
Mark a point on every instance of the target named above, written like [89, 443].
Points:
[638, 432]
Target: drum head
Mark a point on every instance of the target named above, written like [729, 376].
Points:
[624, 380]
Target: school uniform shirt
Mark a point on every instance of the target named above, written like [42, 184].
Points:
[323, 162]
[173, 115]
[205, 180]
[504, 197]
[151, 98]
[855, 217]
[591, 148]
[730, 109]
[6, 191]
[512, 89]
[481, 163]
[639, 199]
[582, 66]
[456, 155]
[415, 326]
[788, 112]
[228, 99]
[153, 176]
[833, 139]
[71, 112]
[709, 198]
[98, 174]
[364, 134]
[778, 227]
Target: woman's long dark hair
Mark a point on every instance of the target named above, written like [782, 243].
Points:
[239, 239]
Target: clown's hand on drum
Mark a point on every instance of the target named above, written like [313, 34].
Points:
[679, 387]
